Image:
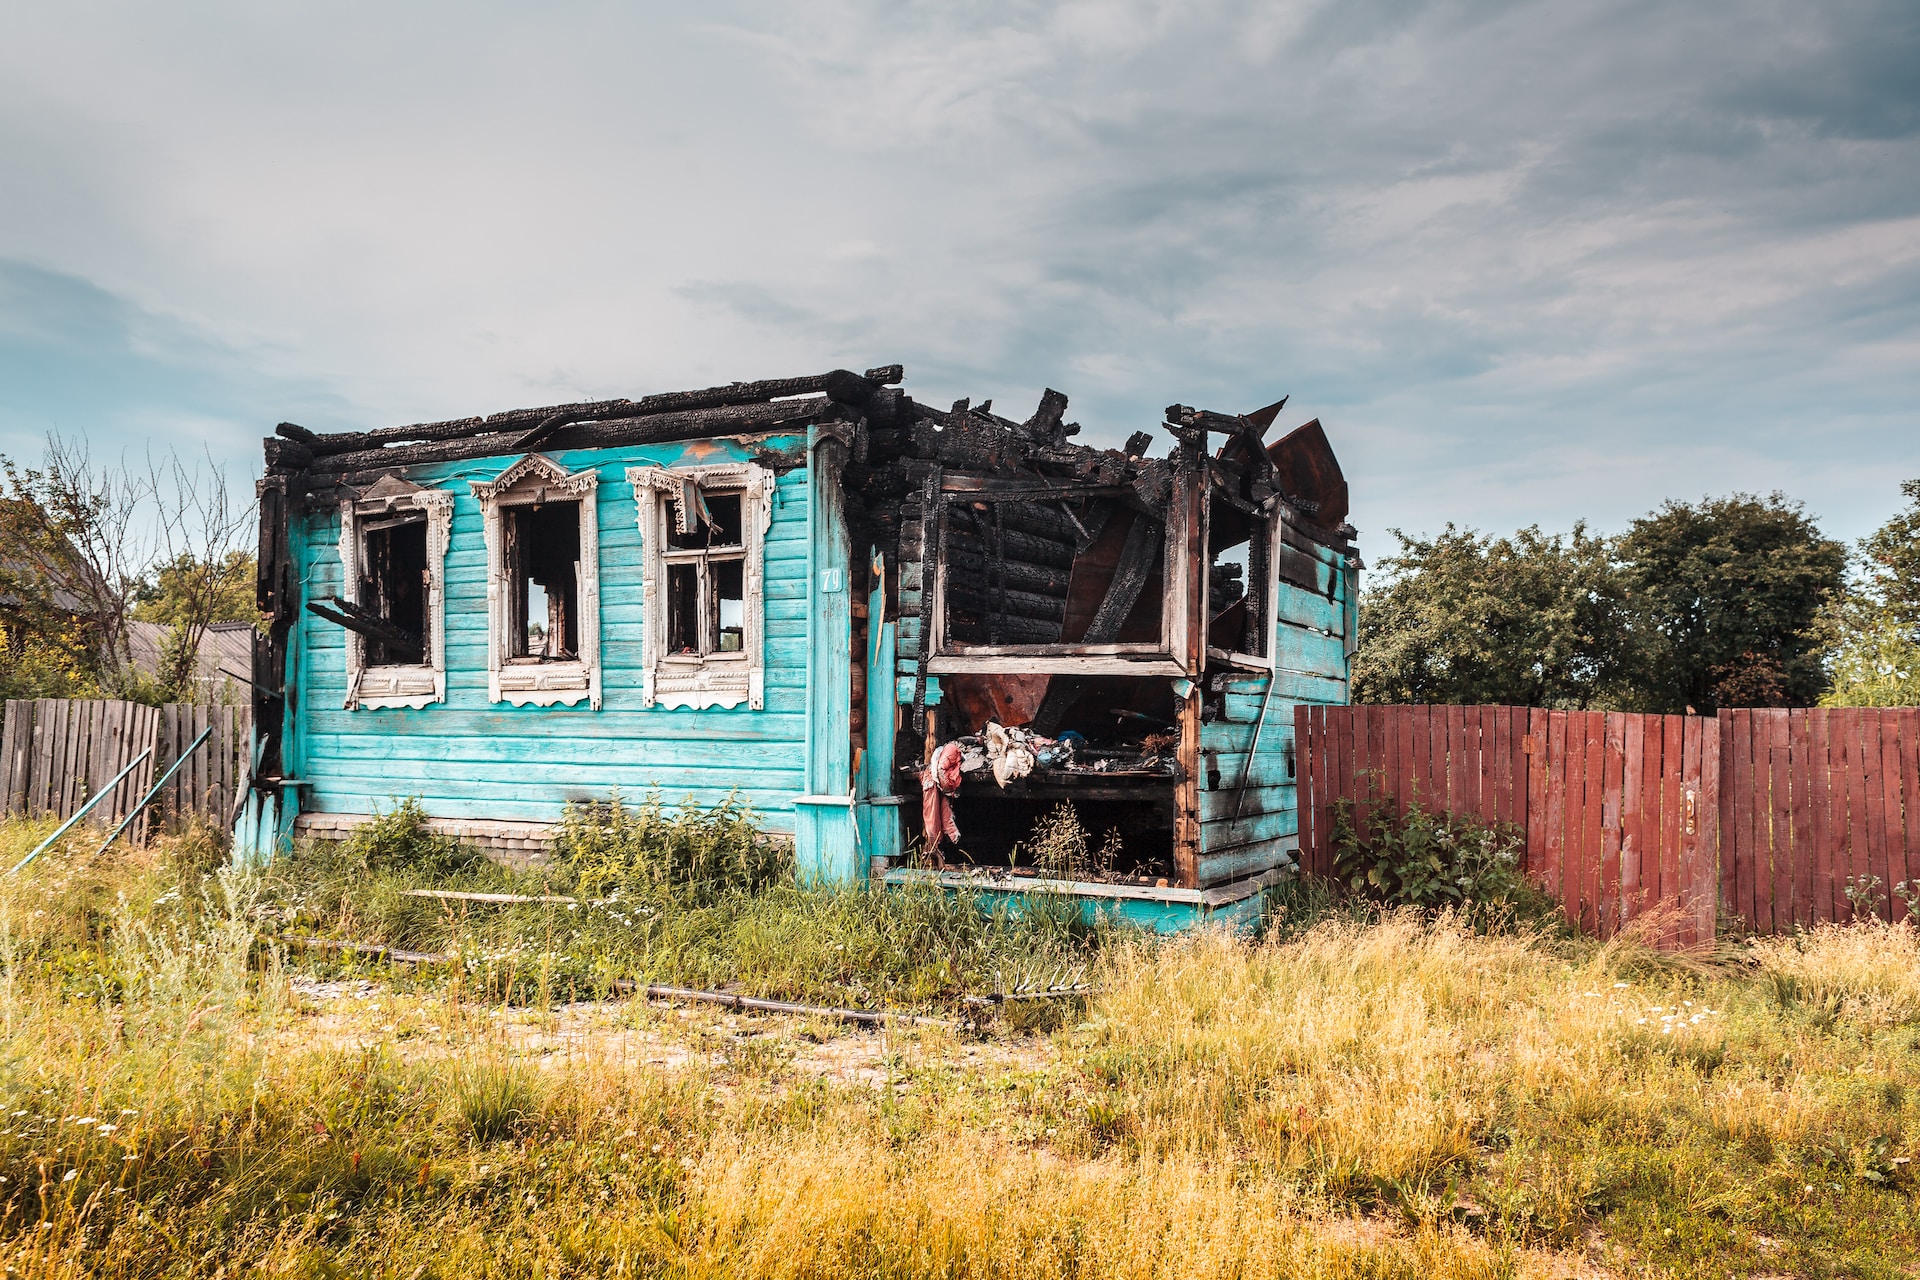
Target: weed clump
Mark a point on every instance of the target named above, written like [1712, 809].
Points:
[400, 837]
[695, 855]
[1436, 861]
[1061, 846]
[494, 1100]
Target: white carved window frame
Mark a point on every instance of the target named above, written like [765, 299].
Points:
[412, 685]
[533, 481]
[714, 679]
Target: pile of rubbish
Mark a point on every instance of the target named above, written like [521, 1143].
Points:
[1009, 753]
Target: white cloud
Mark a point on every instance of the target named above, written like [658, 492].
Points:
[1528, 261]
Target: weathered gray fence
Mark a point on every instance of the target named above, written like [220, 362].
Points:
[56, 753]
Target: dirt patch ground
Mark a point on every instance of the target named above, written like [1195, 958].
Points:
[359, 1014]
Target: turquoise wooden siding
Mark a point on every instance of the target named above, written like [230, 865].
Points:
[1244, 833]
[471, 758]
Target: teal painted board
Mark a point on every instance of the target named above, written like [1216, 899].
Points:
[1220, 868]
[469, 757]
[827, 846]
[1216, 805]
[1270, 768]
[1242, 917]
[1231, 833]
[1308, 609]
[1301, 649]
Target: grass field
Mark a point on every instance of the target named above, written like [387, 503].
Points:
[1356, 1095]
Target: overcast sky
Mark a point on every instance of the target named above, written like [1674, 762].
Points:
[1527, 262]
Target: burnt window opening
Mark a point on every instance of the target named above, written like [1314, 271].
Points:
[706, 597]
[394, 585]
[542, 544]
[1082, 570]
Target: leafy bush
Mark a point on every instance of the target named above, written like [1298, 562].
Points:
[1426, 859]
[400, 838]
[694, 855]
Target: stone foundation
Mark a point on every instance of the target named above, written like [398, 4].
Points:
[516, 844]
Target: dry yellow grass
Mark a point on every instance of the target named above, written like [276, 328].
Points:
[1395, 1097]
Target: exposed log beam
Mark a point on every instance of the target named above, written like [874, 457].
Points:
[396, 640]
[841, 385]
[656, 429]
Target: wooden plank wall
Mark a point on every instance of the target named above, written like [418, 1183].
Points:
[1619, 811]
[1816, 798]
[56, 753]
[473, 758]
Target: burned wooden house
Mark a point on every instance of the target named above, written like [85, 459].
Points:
[877, 622]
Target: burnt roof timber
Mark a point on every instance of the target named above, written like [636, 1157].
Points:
[657, 428]
[841, 385]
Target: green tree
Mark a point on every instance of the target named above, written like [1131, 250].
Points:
[188, 586]
[1892, 557]
[1724, 596]
[1532, 620]
[1873, 632]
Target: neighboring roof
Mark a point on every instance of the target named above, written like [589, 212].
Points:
[226, 649]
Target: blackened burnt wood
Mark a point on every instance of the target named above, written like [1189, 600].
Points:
[975, 591]
[1254, 641]
[457, 428]
[295, 432]
[970, 628]
[276, 595]
[1043, 580]
[1045, 423]
[657, 429]
[932, 507]
[1016, 545]
[1138, 556]
[1047, 521]
[840, 385]
[284, 457]
[396, 640]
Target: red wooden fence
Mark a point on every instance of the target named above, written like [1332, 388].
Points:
[1766, 815]
[1818, 798]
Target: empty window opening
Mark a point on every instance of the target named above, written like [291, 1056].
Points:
[394, 586]
[706, 596]
[543, 575]
[1022, 572]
